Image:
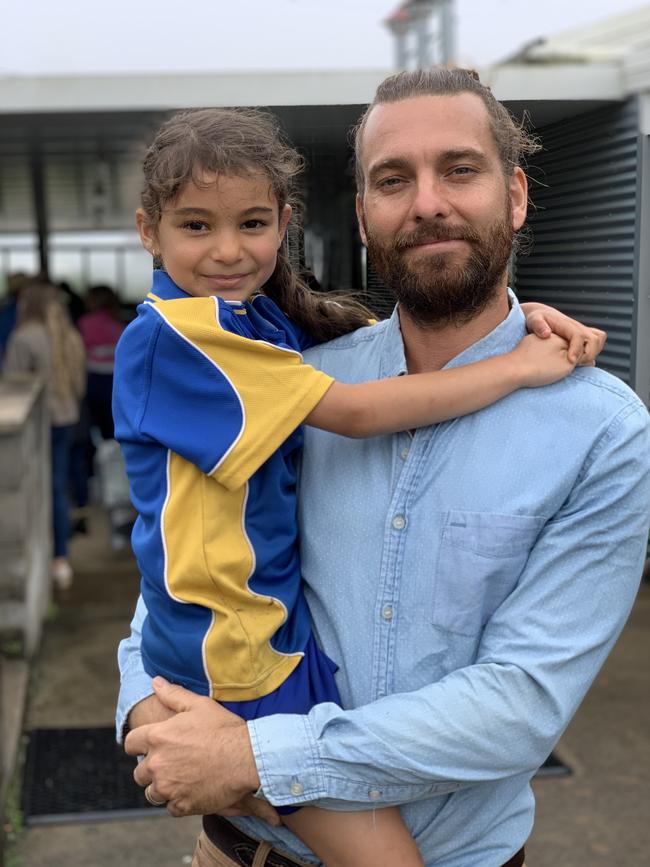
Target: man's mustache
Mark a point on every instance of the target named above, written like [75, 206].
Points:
[431, 232]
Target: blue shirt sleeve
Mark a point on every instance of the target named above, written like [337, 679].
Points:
[221, 401]
[538, 655]
[135, 683]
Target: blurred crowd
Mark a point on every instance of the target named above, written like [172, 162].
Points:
[69, 341]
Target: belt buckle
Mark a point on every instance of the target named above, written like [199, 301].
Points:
[244, 853]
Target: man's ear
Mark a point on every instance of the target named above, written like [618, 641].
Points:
[146, 231]
[361, 219]
[285, 216]
[518, 191]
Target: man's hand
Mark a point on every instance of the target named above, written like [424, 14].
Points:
[198, 761]
[585, 343]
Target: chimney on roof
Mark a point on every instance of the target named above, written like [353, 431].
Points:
[410, 26]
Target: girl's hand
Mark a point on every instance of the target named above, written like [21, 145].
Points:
[585, 343]
[541, 361]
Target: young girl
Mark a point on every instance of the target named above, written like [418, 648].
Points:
[210, 393]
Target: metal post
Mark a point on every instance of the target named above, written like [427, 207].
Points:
[120, 267]
[423, 39]
[447, 33]
[399, 24]
[40, 206]
[401, 51]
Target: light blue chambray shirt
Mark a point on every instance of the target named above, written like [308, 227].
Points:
[470, 581]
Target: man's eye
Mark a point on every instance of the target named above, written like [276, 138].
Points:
[390, 182]
[463, 170]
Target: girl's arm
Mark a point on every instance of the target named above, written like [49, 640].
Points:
[404, 402]
[584, 343]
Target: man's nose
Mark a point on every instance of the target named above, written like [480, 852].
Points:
[226, 247]
[430, 201]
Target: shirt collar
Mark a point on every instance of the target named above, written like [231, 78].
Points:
[501, 339]
[164, 287]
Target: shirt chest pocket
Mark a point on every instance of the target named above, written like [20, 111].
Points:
[481, 558]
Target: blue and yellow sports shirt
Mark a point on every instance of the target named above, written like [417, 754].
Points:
[208, 399]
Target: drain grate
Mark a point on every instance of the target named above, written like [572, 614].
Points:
[76, 775]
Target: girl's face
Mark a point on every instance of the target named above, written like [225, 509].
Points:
[220, 238]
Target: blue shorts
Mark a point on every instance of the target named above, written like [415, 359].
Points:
[311, 682]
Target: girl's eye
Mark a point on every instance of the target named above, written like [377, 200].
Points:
[194, 225]
[254, 224]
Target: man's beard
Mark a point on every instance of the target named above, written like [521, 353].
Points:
[432, 289]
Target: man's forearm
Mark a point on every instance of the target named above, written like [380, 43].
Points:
[537, 656]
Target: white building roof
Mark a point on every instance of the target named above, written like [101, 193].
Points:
[622, 41]
[153, 92]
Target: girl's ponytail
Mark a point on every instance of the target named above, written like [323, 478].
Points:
[323, 315]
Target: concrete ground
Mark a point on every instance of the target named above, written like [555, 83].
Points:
[597, 816]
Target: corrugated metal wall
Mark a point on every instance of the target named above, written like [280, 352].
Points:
[584, 227]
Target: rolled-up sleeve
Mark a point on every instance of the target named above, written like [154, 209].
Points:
[135, 683]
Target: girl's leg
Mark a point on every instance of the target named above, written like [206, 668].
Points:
[373, 838]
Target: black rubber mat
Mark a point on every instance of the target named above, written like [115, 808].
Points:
[75, 775]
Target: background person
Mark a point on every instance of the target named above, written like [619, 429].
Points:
[46, 343]
[9, 307]
[101, 327]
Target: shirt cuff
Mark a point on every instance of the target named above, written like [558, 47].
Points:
[287, 759]
[136, 686]
[295, 767]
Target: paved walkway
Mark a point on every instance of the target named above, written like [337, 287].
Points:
[598, 816]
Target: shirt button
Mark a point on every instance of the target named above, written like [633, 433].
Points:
[399, 522]
[404, 454]
[374, 794]
[297, 788]
[387, 612]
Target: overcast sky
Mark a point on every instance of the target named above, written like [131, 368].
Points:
[78, 36]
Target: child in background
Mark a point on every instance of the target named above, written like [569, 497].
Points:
[210, 392]
[101, 328]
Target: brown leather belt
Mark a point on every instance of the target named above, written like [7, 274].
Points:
[241, 848]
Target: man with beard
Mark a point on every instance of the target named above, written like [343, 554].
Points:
[470, 578]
